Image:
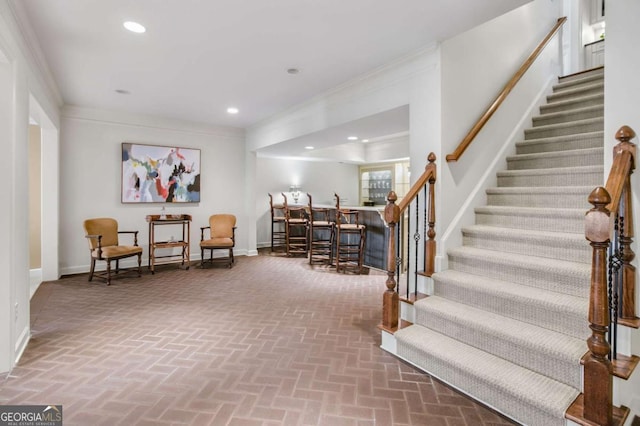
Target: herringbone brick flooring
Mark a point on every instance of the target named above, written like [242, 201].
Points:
[271, 341]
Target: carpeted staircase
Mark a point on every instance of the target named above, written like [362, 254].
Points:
[507, 323]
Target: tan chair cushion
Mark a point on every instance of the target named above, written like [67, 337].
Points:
[321, 223]
[112, 252]
[217, 242]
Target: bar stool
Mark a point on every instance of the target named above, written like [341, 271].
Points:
[278, 225]
[297, 229]
[350, 240]
[321, 234]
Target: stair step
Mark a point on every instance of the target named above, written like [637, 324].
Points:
[577, 92]
[545, 160]
[541, 196]
[553, 245]
[542, 219]
[559, 312]
[561, 143]
[544, 351]
[584, 80]
[583, 74]
[563, 129]
[580, 102]
[569, 115]
[571, 278]
[516, 391]
[568, 176]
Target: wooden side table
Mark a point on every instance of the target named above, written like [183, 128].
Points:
[183, 220]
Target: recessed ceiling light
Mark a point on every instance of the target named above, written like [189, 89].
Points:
[308, 147]
[293, 71]
[134, 27]
[233, 110]
[122, 92]
[365, 140]
[353, 138]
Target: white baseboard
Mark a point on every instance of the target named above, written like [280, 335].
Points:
[133, 263]
[21, 343]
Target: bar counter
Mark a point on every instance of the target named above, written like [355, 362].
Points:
[377, 234]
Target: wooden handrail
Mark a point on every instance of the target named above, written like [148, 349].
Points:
[623, 165]
[428, 175]
[464, 144]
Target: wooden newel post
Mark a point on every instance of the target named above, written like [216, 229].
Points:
[390, 298]
[598, 382]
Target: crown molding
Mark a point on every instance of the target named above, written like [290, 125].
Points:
[73, 112]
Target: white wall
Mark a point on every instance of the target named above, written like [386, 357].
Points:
[21, 77]
[622, 60]
[476, 65]
[91, 174]
[320, 179]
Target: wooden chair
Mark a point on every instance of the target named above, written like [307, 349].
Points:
[297, 229]
[350, 240]
[321, 234]
[222, 236]
[102, 235]
[278, 225]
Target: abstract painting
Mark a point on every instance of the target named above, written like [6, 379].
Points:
[160, 174]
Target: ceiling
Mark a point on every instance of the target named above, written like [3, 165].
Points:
[199, 57]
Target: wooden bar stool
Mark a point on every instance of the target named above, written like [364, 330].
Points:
[350, 240]
[297, 229]
[321, 234]
[278, 225]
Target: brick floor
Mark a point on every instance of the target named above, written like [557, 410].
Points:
[272, 341]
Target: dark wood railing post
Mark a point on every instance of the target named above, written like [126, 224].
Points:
[430, 245]
[598, 381]
[390, 299]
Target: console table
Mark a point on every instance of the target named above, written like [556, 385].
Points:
[180, 220]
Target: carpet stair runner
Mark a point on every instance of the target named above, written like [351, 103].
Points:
[507, 323]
